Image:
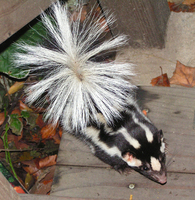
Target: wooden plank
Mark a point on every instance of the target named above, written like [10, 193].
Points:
[172, 110]
[144, 20]
[6, 190]
[43, 197]
[14, 14]
[98, 183]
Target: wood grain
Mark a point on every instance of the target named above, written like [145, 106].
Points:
[6, 190]
[98, 183]
[43, 197]
[144, 21]
[15, 14]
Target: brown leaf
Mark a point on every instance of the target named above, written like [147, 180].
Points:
[15, 138]
[44, 181]
[45, 162]
[24, 107]
[16, 111]
[15, 87]
[60, 131]
[2, 118]
[39, 121]
[161, 80]
[183, 75]
[56, 139]
[188, 2]
[48, 131]
[30, 166]
[185, 6]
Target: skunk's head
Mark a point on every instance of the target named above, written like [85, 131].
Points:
[133, 143]
[149, 158]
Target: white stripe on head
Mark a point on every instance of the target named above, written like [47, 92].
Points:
[162, 148]
[132, 141]
[149, 134]
[156, 166]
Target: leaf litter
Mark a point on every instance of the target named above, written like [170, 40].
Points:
[31, 143]
[183, 76]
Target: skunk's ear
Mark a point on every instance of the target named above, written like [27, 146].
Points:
[159, 135]
[131, 160]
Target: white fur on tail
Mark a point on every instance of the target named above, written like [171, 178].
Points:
[76, 85]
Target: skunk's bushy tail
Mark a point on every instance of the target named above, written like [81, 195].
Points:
[76, 86]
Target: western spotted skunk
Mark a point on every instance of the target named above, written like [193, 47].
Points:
[93, 100]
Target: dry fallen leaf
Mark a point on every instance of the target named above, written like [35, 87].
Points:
[45, 162]
[16, 111]
[24, 107]
[15, 87]
[188, 2]
[183, 75]
[29, 166]
[161, 80]
[2, 118]
[39, 121]
[56, 139]
[185, 6]
[48, 131]
[60, 131]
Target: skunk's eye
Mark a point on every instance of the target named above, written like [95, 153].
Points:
[145, 168]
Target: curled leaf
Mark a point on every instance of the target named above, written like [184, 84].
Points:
[46, 162]
[48, 131]
[2, 118]
[15, 87]
[183, 75]
[29, 166]
[161, 80]
[188, 2]
[23, 106]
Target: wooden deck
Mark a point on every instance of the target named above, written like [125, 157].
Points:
[80, 175]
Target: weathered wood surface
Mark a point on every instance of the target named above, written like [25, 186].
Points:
[143, 20]
[102, 183]
[42, 197]
[80, 175]
[14, 14]
[6, 190]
